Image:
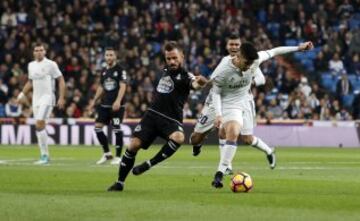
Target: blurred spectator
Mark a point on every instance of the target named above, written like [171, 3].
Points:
[343, 86]
[12, 109]
[2, 110]
[304, 87]
[275, 109]
[320, 62]
[354, 66]
[336, 66]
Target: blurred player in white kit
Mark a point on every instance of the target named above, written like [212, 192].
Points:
[42, 74]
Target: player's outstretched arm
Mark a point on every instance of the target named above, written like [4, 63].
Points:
[62, 91]
[268, 54]
[22, 94]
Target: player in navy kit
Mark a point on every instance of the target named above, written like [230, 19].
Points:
[111, 109]
[163, 118]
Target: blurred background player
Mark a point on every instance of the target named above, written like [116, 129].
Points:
[42, 74]
[163, 118]
[233, 101]
[112, 108]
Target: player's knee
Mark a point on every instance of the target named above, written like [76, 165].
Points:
[222, 134]
[40, 125]
[178, 137]
[196, 138]
[246, 139]
[99, 125]
[135, 144]
[232, 132]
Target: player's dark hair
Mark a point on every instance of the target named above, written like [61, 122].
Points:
[171, 45]
[109, 49]
[248, 51]
[234, 36]
[38, 44]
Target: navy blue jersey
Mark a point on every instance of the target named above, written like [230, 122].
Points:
[171, 94]
[110, 80]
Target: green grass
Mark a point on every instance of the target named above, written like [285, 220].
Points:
[308, 184]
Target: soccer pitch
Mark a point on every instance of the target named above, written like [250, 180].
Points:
[307, 184]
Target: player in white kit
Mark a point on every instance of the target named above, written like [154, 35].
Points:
[206, 119]
[42, 74]
[233, 101]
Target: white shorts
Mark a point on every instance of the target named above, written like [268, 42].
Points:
[245, 115]
[205, 122]
[42, 112]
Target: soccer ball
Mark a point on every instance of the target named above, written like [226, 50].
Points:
[241, 182]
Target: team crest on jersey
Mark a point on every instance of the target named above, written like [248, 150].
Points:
[109, 84]
[178, 77]
[103, 74]
[115, 74]
[166, 85]
[137, 128]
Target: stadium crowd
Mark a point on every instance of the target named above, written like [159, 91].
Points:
[77, 31]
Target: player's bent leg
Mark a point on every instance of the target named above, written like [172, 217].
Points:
[262, 146]
[126, 164]
[174, 142]
[196, 139]
[103, 140]
[41, 135]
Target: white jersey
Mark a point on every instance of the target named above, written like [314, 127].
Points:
[233, 85]
[43, 74]
[258, 77]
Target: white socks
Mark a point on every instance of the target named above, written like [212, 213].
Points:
[228, 153]
[261, 145]
[42, 141]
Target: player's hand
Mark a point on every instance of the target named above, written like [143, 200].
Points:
[61, 103]
[218, 121]
[116, 106]
[306, 46]
[201, 80]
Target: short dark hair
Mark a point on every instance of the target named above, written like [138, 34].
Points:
[171, 45]
[234, 36]
[109, 49]
[248, 51]
[38, 44]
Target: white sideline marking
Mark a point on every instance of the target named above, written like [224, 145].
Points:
[331, 162]
[34, 159]
[2, 162]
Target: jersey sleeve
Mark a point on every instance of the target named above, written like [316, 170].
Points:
[189, 80]
[30, 75]
[123, 76]
[263, 56]
[259, 77]
[55, 71]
